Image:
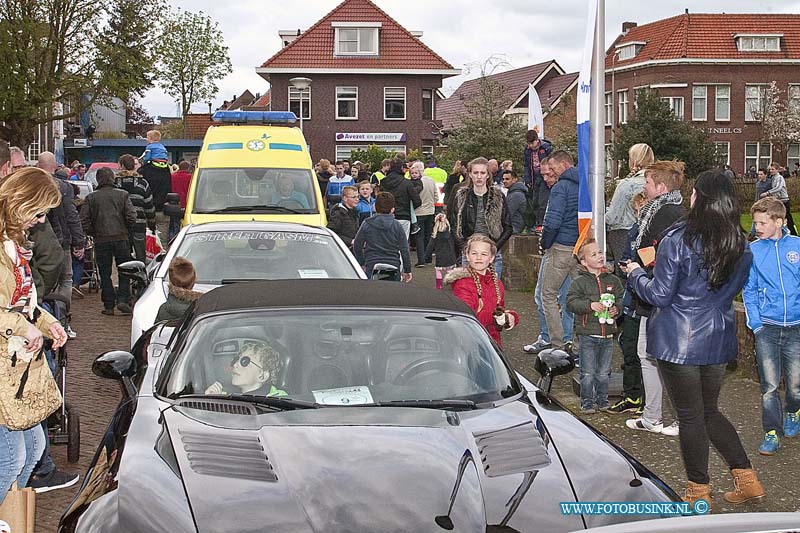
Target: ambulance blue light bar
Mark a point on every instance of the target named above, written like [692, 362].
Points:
[255, 117]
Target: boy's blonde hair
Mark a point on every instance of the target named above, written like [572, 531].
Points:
[154, 136]
[771, 206]
[670, 173]
[264, 356]
[581, 255]
[182, 273]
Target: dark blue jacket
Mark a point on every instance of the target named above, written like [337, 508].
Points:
[561, 219]
[545, 148]
[690, 325]
[381, 239]
[517, 202]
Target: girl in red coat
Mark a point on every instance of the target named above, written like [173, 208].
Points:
[479, 287]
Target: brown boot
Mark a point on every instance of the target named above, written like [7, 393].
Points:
[697, 491]
[746, 486]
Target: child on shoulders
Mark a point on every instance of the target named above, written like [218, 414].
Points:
[155, 152]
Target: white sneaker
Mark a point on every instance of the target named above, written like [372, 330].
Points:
[70, 332]
[671, 430]
[536, 347]
[640, 424]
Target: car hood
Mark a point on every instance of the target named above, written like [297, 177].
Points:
[370, 469]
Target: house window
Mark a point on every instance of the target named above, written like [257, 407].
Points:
[758, 154]
[722, 152]
[629, 50]
[699, 102]
[394, 103]
[347, 103]
[609, 151]
[753, 102]
[759, 43]
[722, 103]
[792, 156]
[609, 106]
[344, 151]
[622, 103]
[675, 104]
[294, 102]
[427, 104]
[793, 95]
[356, 41]
[426, 150]
[35, 147]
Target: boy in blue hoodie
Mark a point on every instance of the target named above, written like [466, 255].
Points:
[382, 240]
[772, 301]
[366, 203]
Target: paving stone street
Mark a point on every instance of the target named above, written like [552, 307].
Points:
[97, 398]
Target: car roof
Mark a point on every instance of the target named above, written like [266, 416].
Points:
[254, 147]
[255, 225]
[321, 293]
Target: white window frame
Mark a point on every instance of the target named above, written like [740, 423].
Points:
[405, 101]
[360, 29]
[426, 149]
[35, 147]
[718, 98]
[758, 43]
[622, 106]
[609, 108]
[672, 101]
[350, 89]
[700, 92]
[761, 89]
[717, 152]
[793, 96]
[294, 95]
[792, 155]
[343, 151]
[759, 155]
[433, 103]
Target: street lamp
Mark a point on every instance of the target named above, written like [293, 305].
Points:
[301, 84]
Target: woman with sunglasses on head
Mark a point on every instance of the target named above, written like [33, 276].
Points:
[701, 264]
[253, 371]
[25, 197]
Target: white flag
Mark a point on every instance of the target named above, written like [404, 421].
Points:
[535, 111]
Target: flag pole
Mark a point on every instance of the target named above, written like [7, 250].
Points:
[597, 162]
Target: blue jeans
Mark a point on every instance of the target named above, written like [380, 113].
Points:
[174, 227]
[778, 353]
[19, 452]
[567, 318]
[595, 356]
[498, 262]
[77, 271]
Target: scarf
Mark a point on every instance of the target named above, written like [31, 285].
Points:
[651, 208]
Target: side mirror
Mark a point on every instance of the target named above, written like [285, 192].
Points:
[174, 210]
[551, 363]
[115, 365]
[173, 198]
[133, 270]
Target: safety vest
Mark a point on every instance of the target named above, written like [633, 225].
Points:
[439, 176]
[377, 177]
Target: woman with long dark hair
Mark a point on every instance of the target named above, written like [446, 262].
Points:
[702, 263]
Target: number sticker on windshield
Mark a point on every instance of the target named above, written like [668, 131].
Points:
[344, 396]
[313, 273]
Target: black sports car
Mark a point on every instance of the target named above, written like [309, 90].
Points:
[335, 405]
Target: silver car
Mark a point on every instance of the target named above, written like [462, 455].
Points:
[231, 252]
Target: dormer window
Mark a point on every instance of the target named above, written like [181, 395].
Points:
[629, 50]
[356, 38]
[758, 43]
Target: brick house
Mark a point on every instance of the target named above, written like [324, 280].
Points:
[372, 82]
[557, 92]
[713, 70]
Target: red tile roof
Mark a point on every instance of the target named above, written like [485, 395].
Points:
[516, 82]
[709, 36]
[398, 49]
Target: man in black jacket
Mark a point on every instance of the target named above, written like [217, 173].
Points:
[343, 218]
[139, 192]
[480, 209]
[405, 193]
[109, 216]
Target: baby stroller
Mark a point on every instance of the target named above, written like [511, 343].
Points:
[90, 273]
[64, 426]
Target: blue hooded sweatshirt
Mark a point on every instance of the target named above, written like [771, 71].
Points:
[561, 219]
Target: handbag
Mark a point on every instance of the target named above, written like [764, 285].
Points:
[28, 392]
[18, 509]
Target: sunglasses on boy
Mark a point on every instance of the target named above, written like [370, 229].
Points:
[244, 361]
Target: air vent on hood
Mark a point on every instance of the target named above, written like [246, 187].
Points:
[511, 450]
[219, 406]
[228, 454]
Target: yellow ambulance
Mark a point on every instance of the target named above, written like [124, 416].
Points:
[254, 166]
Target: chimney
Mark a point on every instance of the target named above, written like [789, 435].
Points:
[627, 26]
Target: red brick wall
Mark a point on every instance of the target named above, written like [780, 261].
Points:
[320, 131]
[197, 124]
[562, 120]
[735, 75]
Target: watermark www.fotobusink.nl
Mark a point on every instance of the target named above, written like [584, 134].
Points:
[635, 508]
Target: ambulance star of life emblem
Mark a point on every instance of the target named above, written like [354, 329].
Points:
[256, 145]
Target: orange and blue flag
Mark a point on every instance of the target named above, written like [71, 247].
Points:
[584, 138]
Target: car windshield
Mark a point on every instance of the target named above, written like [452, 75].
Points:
[340, 357]
[228, 256]
[256, 190]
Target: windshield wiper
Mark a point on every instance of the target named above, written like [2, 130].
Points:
[261, 207]
[278, 402]
[429, 404]
[229, 281]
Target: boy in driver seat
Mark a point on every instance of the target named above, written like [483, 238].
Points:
[253, 371]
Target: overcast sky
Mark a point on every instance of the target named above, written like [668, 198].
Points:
[463, 32]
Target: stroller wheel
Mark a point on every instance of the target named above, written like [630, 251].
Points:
[74, 434]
